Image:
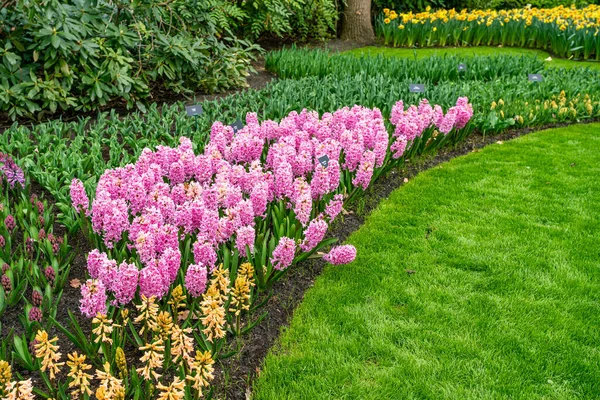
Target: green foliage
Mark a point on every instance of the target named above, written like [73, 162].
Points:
[85, 54]
[299, 63]
[321, 82]
[32, 259]
[300, 19]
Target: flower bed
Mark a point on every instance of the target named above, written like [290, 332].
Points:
[192, 240]
[566, 32]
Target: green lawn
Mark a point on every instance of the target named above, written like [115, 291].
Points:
[470, 51]
[505, 299]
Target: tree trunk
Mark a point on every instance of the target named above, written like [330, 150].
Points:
[356, 21]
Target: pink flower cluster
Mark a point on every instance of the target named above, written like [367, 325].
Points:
[216, 197]
[341, 255]
[121, 280]
[412, 122]
[93, 299]
[79, 197]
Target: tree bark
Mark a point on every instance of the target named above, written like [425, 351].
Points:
[356, 21]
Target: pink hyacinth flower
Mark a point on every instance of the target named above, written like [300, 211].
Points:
[341, 255]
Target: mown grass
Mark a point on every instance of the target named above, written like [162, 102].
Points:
[504, 301]
[471, 51]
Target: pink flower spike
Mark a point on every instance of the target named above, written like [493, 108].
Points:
[314, 234]
[79, 197]
[195, 279]
[283, 255]
[341, 255]
[245, 237]
[93, 299]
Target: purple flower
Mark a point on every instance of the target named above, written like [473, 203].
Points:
[35, 314]
[334, 207]
[313, 235]
[195, 279]
[6, 283]
[49, 274]
[169, 264]
[10, 223]
[126, 283]
[152, 283]
[365, 170]
[341, 255]
[95, 262]
[204, 253]
[36, 298]
[11, 171]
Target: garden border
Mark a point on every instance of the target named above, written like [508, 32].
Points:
[234, 377]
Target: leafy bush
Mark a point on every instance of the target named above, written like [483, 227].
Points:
[299, 19]
[83, 54]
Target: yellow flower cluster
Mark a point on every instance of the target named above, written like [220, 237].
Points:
[562, 17]
[559, 107]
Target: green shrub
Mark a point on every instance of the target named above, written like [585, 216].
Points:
[299, 19]
[83, 54]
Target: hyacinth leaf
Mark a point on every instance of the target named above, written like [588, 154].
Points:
[233, 267]
[78, 338]
[17, 293]
[186, 252]
[200, 339]
[226, 256]
[262, 303]
[2, 302]
[42, 394]
[324, 243]
[138, 340]
[62, 276]
[22, 353]
[46, 380]
[250, 326]
[228, 354]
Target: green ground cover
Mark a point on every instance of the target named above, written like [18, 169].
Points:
[504, 301]
[474, 51]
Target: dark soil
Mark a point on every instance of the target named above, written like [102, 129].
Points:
[234, 376]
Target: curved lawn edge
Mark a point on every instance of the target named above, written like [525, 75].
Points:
[234, 376]
[372, 330]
